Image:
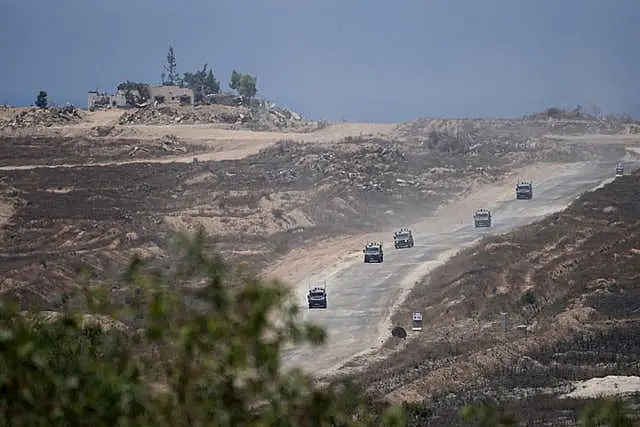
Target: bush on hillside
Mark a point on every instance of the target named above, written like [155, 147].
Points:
[211, 360]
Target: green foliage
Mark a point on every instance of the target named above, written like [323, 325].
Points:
[63, 373]
[244, 84]
[135, 92]
[210, 360]
[41, 100]
[487, 415]
[170, 67]
[203, 83]
[610, 413]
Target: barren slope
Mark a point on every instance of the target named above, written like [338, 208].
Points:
[116, 195]
[570, 280]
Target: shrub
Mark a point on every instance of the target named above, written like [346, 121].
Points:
[209, 360]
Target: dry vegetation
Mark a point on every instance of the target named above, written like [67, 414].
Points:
[569, 280]
[569, 284]
[124, 194]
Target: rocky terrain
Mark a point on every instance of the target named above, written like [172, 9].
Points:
[114, 196]
[262, 116]
[84, 191]
[258, 115]
[569, 287]
[44, 151]
[33, 116]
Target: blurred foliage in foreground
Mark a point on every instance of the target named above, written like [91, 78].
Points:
[210, 360]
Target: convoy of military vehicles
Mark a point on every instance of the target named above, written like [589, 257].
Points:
[403, 238]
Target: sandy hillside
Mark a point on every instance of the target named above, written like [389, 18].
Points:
[569, 286]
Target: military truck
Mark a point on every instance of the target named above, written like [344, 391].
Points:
[373, 252]
[317, 297]
[482, 218]
[619, 169]
[403, 238]
[524, 190]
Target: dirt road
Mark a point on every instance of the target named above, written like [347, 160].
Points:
[213, 144]
[361, 296]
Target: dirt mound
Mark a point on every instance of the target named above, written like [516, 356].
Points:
[45, 117]
[258, 116]
[168, 115]
[569, 287]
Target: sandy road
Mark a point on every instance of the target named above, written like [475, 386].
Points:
[361, 296]
[220, 144]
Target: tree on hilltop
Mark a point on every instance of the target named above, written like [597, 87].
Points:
[170, 68]
[135, 92]
[244, 84]
[202, 82]
[41, 100]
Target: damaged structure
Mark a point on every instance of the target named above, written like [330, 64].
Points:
[158, 95]
[98, 99]
[171, 95]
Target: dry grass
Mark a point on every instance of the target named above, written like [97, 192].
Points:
[569, 284]
[271, 199]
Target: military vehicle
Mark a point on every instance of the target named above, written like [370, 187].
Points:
[482, 218]
[403, 238]
[619, 169]
[317, 297]
[524, 190]
[373, 252]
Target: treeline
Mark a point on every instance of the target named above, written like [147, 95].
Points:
[202, 81]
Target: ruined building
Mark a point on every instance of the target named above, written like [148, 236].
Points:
[158, 95]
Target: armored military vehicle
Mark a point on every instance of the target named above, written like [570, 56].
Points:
[403, 238]
[619, 169]
[317, 297]
[373, 252]
[482, 218]
[524, 190]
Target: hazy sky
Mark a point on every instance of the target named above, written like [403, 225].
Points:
[373, 60]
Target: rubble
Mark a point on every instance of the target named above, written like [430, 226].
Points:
[258, 116]
[51, 116]
[169, 115]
